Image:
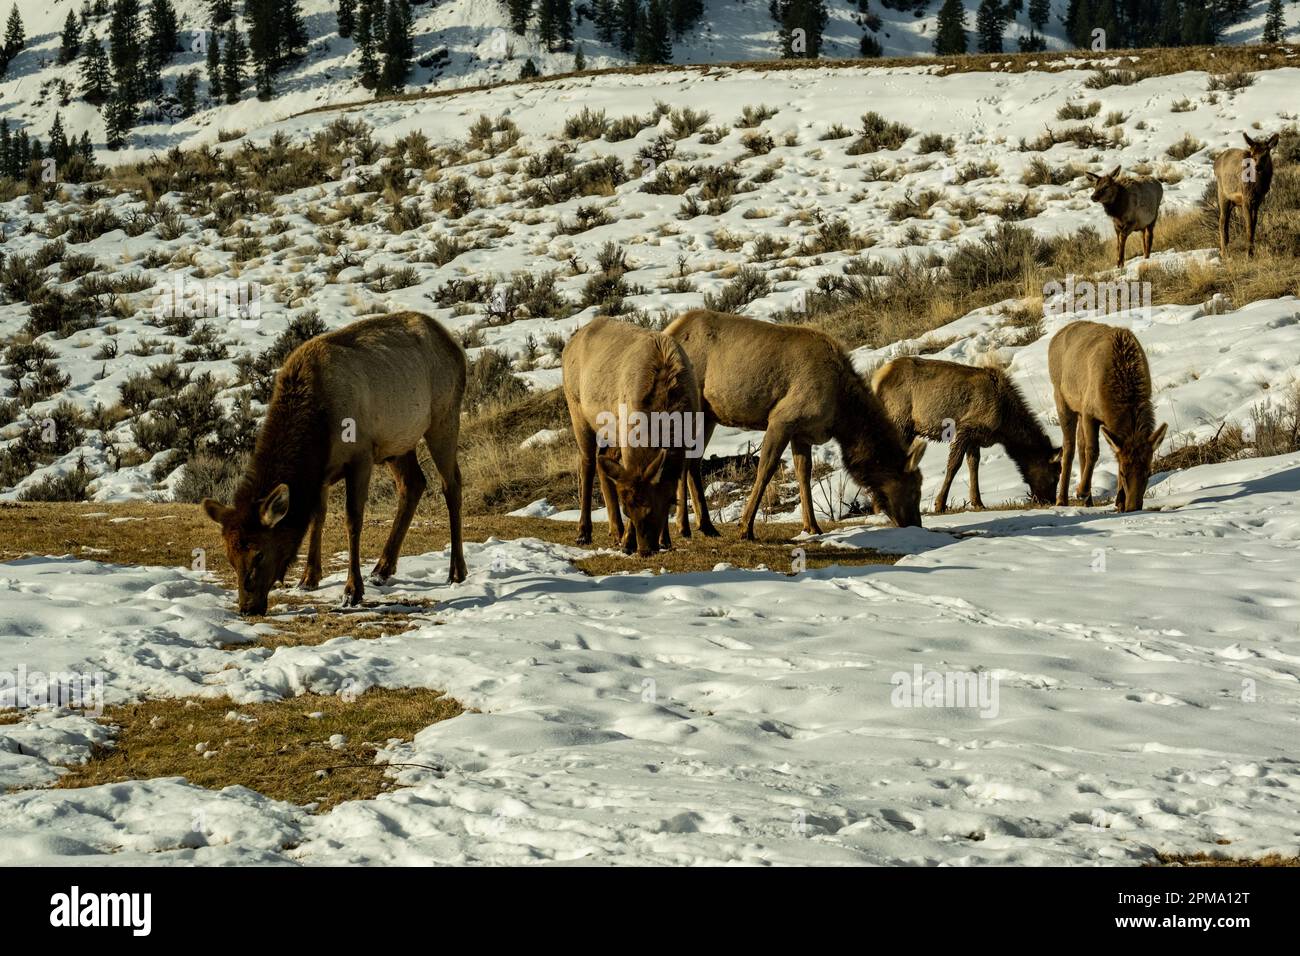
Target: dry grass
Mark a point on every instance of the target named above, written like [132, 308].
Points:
[282, 752]
[1206, 859]
[299, 621]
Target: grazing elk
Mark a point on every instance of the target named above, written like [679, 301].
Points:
[1243, 177]
[1132, 204]
[343, 401]
[613, 372]
[1102, 382]
[798, 385]
[972, 408]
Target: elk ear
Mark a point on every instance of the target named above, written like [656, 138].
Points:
[1056, 457]
[216, 510]
[1271, 141]
[1110, 440]
[1158, 436]
[1113, 174]
[610, 467]
[1092, 177]
[914, 454]
[1249, 141]
[655, 470]
[274, 506]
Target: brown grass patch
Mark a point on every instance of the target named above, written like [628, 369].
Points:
[1206, 859]
[282, 753]
[310, 623]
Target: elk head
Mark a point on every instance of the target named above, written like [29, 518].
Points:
[259, 546]
[1105, 187]
[646, 492]
[900, 494]
[1041, 473]
[1134, 456]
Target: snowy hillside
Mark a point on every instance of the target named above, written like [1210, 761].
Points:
[467, 43]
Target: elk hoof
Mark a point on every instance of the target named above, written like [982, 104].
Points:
[353, 591]
[1062, 501]
[457, 572]
[584, 537]
[378, 577]
[709, 531]
[309, 582]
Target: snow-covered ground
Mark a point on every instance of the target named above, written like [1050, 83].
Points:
[1136, 675]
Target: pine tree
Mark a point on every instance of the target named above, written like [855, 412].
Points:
[579, 59]
[263, 45]
[654, 42]
[1039, 12]
[1171, 33]
[990, 26]
[187, 92]
[214, 66]
[124, 49]
[684, 15]
[6, 150]
[521, 11]
[368, 34]
[59, 147]
[548, 24]
[604, 14]
[950, 35]
[529, 70]
[808, 16]
[222, 11]
[1106, 20]
[291, 32]
[162, 33]
[119, 117]
[85, 150]
[564, 14]
[233, 62]
[15, 38]
[95, 82]
[1274, 25]
[71, 42]
[869, 46]
[396, 47]
[347, 17]
[629, 16]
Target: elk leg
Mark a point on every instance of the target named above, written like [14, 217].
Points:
[610, 494]
[1121, 240]
[1069, 422]
[774, 442]
[311, 570]
[1251, 212]
[694, 473]
[357, 479]
[1225, 220]
[442, 449]
[973, 466]
[956, 451]
[803, 473]
[586, 475]
[410, 481]
[1148, 237]
[1089, 428]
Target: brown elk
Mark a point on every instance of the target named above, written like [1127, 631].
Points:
[1133, 206]
[343, 401]
[615, 371]
[972, 408]
[1102, 382]
[1243, 177]
[799, 386]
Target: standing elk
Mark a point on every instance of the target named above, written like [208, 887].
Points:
[343, 401]
[800, 387]
[972, 408]
[1102, 382]
[613, 371]
[1243, 177]
[1133, 206]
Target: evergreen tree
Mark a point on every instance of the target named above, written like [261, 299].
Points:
[990, 24]
[629, 16]
[1039, 11]
[1032, 43]
[59, 147]
[397, 47]
[1106, 19]
[95, 81]
[548, 23]
[347, 17]
[950, 36]
[222, 11]
[685, 14]
[71, 42]
[6, 150]
[1171, 24]
[579, 59]
[564, 13]
[22, 153]
[529, 70]
[233, 62]
[85, 150]
[368, 35]
[292, 33]
[263, 44]
[162, 32]
[119, 117]
[521, 11]
[15, 38]
[808, 16]
[869, 46]
[214, 66]
[187, 92]
[604, 13]
[1274, 25]
[654, 42]
[125, 50]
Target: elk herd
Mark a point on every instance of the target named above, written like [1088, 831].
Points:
[370, 391]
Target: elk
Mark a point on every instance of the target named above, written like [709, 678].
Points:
[365, 393]
[972, 408]
[1102, 383]
[1132, 204]
[614, 371]
[1243, 177]
[799, 386]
